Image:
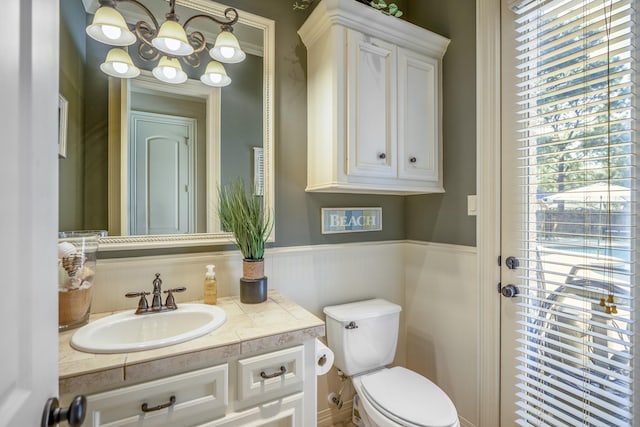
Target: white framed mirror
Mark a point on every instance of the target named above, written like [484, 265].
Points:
[217, 137]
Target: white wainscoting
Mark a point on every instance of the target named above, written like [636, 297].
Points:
[436, 285]
[442, 324]
[312, 276]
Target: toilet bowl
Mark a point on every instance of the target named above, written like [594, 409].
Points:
[363, 336]
[400, 397]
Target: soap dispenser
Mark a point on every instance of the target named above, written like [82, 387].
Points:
[210, 286]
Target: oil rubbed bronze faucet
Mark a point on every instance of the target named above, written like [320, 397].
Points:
[156, 302]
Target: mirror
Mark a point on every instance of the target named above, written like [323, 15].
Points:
[232, 128]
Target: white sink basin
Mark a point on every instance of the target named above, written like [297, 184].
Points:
[126, 332]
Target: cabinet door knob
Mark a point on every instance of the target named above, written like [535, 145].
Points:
[413, 159]
[382, 156]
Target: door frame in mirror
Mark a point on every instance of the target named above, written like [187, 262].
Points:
[116, 243]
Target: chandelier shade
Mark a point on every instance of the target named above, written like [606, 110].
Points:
[169, 70]
[119, 64]
[109, 27]
[227, 49]
[172, 40]
[215, 75]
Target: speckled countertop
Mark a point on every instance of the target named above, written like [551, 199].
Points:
[249, 328]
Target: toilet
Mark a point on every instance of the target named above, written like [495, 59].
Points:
[363, 336]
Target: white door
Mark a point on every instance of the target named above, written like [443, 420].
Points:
[29, 221]
[568, 212]
[162, 171]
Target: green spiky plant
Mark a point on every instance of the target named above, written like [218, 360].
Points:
[244, 216]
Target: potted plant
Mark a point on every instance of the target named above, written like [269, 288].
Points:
[244, 216]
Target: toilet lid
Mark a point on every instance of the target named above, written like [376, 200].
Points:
[406, 395]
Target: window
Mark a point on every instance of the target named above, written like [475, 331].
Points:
[577, 99]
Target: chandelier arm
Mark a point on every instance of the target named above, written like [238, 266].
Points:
[192, 60]
[145, 34]
[197, 41]
[226, 25]
[148, 53]
[144, 8]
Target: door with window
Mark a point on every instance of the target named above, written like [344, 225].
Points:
[568, 207]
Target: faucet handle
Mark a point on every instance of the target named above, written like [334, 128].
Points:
[157, 282]
[143, 305]
[170, 303]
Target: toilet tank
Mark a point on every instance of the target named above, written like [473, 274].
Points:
[363, 335]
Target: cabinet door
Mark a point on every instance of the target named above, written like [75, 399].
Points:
[285, 412]
[371, 107]
[418, 117]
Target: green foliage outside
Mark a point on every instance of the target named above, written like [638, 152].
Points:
[574, 149]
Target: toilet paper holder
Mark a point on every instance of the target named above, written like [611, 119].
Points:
[322, 360]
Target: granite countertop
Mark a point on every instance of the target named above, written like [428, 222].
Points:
[249, 328]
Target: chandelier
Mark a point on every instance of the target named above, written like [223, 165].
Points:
[169, 44]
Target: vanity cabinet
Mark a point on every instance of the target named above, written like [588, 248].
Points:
[261, 390]
[374, 102]
[257, 369]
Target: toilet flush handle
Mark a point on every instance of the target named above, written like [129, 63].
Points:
[351, 325]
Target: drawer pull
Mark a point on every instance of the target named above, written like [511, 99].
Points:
[283, 371]
[145, 407]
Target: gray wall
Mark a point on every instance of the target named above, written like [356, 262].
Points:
[440, 218]
[241, 116]
[71, 177]
[443, 217]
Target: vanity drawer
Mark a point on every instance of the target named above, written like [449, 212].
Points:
[199, 396]
[269, 372]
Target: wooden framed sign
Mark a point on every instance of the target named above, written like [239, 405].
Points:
[351, 220]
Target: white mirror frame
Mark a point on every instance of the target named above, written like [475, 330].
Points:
[117, 243]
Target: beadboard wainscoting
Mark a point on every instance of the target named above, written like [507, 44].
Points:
[313, 276]
[436, 284]
[442, 320]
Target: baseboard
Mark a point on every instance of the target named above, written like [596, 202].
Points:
[465, 423]
[331, 416]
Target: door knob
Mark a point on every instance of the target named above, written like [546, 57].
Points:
[512, 262]
[509, 291]
[74, 414]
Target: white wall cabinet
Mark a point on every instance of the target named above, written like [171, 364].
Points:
[266, 389]
[374, 102]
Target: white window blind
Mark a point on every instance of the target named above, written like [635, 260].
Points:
[577, 100]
